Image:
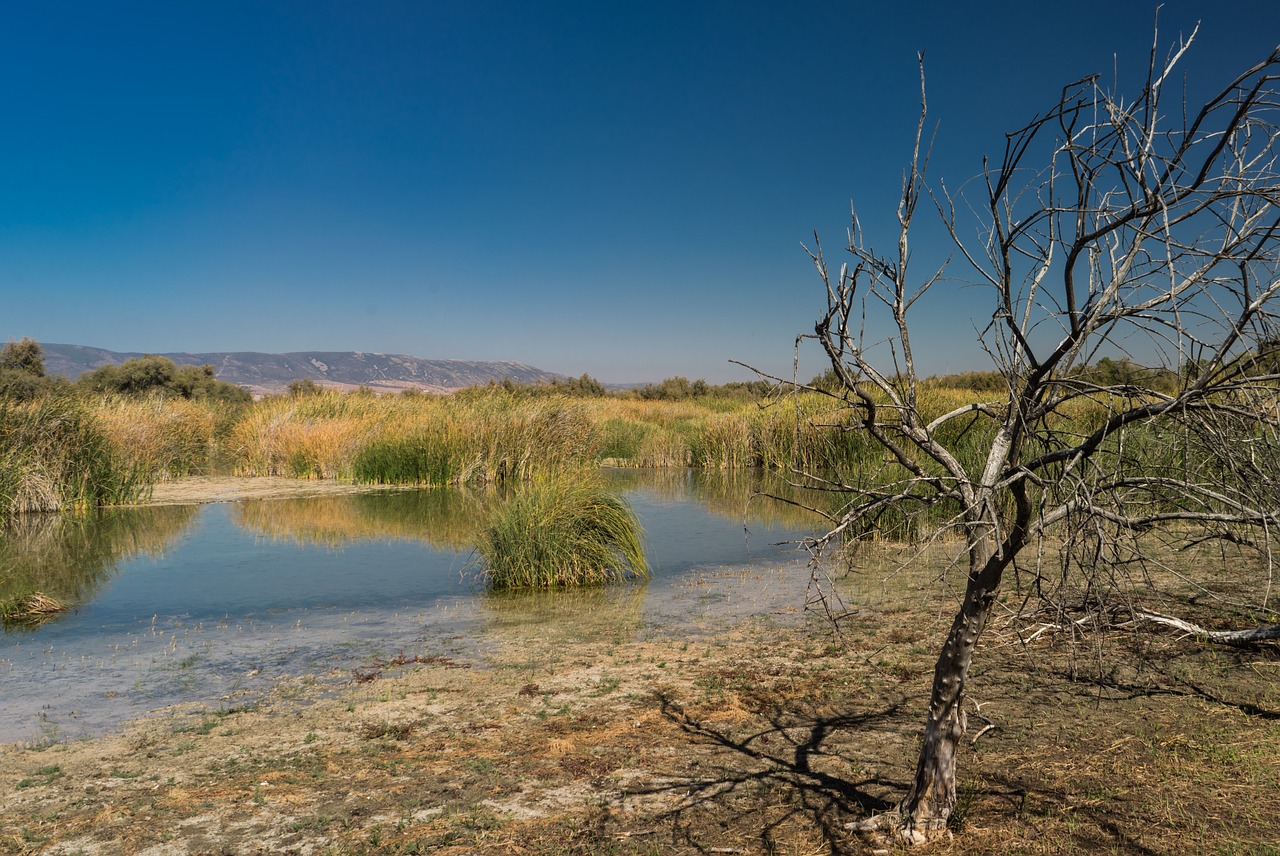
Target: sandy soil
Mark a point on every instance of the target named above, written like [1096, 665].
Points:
[199, 489]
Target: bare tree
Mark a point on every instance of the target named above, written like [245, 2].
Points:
[1109, 225]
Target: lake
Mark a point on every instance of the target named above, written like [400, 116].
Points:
[216, 604]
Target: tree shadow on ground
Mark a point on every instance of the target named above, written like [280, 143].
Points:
[1171, 684]
[769, 783]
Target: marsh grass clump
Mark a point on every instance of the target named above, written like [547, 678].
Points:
[55, 456]
[30, 608]
[561, 532]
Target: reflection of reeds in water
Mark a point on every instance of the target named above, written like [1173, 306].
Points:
[538, 617]
[444, 518]
[755, 496]
[66, 557]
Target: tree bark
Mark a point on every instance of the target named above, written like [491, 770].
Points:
[924, 811]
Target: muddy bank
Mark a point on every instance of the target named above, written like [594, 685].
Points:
[201, 489]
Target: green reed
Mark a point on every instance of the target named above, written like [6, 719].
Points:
[55, 455]
[558, 532]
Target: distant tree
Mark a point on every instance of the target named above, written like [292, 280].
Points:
[586, 385]
[670, 389]
[304, 386]
[22, 374]
[156, 375]
[25, 356]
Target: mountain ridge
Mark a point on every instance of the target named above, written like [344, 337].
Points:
[266, 373]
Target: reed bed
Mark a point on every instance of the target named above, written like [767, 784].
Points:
[488, 437]
[482, 436]
[561, 532]
[481, 439]
[55, 455]
[161, 437]
[307, 436]
[801, 432]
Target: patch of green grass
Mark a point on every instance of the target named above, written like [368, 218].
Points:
[559, 532]
[605, 686]
[43, 776]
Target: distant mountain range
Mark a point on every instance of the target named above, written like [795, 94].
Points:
[268, 373]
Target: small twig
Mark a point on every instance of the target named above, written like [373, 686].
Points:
[990, 726]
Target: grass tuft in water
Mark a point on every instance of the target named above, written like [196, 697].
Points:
[30, 608]
[559, 532]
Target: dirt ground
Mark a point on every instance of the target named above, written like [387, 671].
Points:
[768, 734]
[200, 489]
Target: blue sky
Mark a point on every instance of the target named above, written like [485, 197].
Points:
[619, 189]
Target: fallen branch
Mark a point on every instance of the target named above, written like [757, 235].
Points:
[1223, 637]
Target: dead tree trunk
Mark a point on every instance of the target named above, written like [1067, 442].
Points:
[926, 808]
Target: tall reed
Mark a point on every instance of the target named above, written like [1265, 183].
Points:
[558, 532]
[161, 437]
[487, 437]
[490, 438]
[55, 455]
[308, 436]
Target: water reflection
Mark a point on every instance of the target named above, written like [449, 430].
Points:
[445, 518]
[216, 604]
[750, 496]
[69, 557]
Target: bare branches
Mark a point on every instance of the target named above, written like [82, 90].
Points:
[1223, 637]
[1135, 228]
[1109, 225]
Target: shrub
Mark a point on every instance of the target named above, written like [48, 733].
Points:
[558, 532]
[25, 356]
[154, 374]
[22, 376]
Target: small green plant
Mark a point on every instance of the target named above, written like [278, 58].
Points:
[605, 686]
[558, 532]
[43, 776]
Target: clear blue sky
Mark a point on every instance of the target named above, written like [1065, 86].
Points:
[603, 187]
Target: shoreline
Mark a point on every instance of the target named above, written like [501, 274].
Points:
[199, 490]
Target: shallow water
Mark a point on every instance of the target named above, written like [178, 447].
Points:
[216, 604]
